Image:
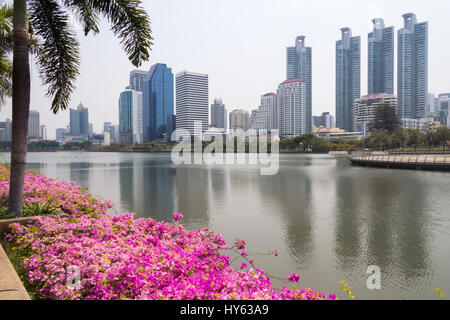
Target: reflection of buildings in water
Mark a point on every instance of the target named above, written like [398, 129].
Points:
[127, 187]
[379, 221]
[219, 184]
[291, 193]
[79, 173]
[146, 187]
[348, 223]
[414, 231]
[191, 194]
[156, 193]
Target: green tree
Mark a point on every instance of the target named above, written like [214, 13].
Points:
[386, 118]
[441, 136]
[6, 14]
[414, 137]
[379, 139]
[58, 59]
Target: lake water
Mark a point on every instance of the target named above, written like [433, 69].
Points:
[328, 220]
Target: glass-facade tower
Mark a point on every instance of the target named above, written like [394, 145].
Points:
[381, 59]
[299, 66]
[130, 117]
[412, 79]
[218, 114]
[137, 79]
[79, 120]
[348, 78]
[158, 102]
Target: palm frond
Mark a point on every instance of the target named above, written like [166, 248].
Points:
[58, 56]
[6, 27]
[130, 23]
[87, 15]
[5, 78]
[6, 14]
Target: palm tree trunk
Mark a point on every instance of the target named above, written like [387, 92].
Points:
[20, 107]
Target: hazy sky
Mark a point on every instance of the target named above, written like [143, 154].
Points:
[241, 45]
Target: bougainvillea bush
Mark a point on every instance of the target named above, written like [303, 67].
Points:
[44, 195]
[90, 255]
[120, 257]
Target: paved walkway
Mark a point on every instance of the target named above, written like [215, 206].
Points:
[11, 288]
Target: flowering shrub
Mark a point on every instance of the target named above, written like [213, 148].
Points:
[43, 196]
[120, 257]
[124, 258]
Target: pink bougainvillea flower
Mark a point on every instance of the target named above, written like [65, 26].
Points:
[240, 244]
[120, 257]
[294, 277]
[177, 216]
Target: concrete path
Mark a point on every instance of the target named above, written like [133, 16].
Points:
[11, 288]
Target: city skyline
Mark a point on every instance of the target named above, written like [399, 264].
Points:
[202, 52]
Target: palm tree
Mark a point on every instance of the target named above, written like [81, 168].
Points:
[5, 41]
[58, 59]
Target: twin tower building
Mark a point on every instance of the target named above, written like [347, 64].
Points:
[412, 73]
[412, 69]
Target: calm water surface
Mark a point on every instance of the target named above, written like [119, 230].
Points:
[328, 220]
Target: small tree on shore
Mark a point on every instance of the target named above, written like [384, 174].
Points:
[386, 118]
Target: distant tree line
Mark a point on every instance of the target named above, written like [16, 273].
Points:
[386, 133]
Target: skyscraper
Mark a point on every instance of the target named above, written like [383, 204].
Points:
[299, 66]
[43, 134]
[107, 126]
[158, 105]
[137, 79]
[239, 119]
[444, 109]
[6, 130]
[259, 119]
[33, 125]
[218, 114]
[326, 120]
[192, 100]
[59, 134]
[130, 117]
[348, 77]
[412, 86]
[292, 107]
[381, 59]
[269, 104]
[79, 120]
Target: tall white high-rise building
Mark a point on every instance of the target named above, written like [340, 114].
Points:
[239, 119]
[270, 106]
[299, 66]
[33, 125]
[292, 108]
[192, 100]
[259, 119]
[44, 132]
